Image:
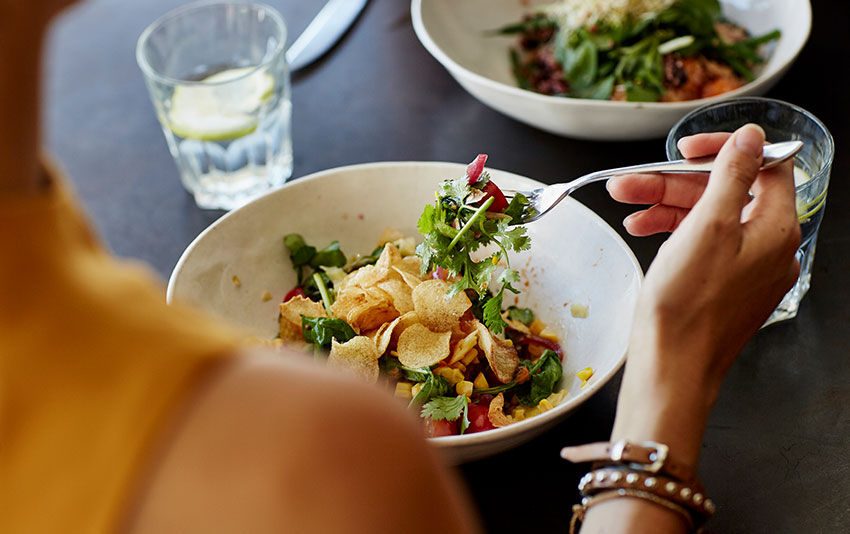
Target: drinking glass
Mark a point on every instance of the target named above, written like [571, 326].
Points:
[218, 78]
[781, 122]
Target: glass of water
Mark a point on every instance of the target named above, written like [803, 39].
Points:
[219, 82]
[781, 122]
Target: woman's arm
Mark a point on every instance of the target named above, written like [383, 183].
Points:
[23, 26]
[712, 285]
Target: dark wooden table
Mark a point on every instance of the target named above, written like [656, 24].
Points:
[774, 456]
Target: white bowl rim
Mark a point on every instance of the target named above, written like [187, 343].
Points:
[454, 67]
[477, 438]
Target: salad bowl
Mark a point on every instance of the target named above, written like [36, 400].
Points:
[589, 265]
[457, 33]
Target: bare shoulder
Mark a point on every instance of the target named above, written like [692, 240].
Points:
[273, 445]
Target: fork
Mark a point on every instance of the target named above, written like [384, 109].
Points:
[543, 199]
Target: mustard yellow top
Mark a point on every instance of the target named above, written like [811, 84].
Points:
[93, 364]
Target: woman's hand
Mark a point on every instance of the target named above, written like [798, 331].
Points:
[711, 286]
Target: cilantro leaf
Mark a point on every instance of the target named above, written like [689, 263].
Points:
[433, 386]
[444, 408]
[520, 209]
[492, 313]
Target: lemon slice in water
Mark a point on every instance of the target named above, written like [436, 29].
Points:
[220, 111]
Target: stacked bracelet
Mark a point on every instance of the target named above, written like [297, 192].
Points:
[643, 471]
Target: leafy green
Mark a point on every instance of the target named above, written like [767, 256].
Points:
[630, 53]
[433, 386]
[305, 258]
[456, 226]
[542, 382]
[330, 256]
[362, 261]
[533, 368]
[299, 253]
[523, 315]
[321, 330]
[446, 409]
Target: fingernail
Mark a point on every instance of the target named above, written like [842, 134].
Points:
[750, 139]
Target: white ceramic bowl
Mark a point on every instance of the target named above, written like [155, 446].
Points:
[575, 258]
[453, 31]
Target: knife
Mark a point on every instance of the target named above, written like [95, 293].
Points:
[323, 32]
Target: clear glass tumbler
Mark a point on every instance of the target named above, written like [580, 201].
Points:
[219, 82]
[781, 122]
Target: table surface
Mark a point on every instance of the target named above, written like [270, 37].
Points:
[774, 455]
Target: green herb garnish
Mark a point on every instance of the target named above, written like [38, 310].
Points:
[320, 331]
[456, 226]
[448, 409]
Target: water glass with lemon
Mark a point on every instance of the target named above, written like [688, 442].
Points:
[812, 166]
[219, 82]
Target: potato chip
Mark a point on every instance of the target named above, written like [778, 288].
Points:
[412, 280]
[357, 356]
[370, 315]
[389, 257]
[291, 312]
[366, 276]
[420, 347]
[410, 264]
[501, 354]
[516, 325]
[399, 294]
[462, 347]
[496, 414]
[435, 311]
[384, 335]
[406, 320]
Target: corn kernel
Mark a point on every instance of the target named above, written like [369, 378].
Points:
[585, 374]
[532, 412]
[480, 382]
[464, 387]
[557, 398]
[267, 296]
[548, 334]
[414, 390]
[404, 390]
[579, 311]
[536, 350]
[544, 405]
[518, 413]
[459, 366]
[452, 375]
[471, 355]
[537, 326]
[236, 281]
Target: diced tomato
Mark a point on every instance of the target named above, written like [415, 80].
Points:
[294, 292]
[474, 169]
[479, 421]
[500, 203]
[542, 342]
[435, 428]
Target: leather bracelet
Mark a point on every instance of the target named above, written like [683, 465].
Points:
[579, 510]
[688, 496]
[648, 456]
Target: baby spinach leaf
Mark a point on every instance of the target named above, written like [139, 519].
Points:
[543, 381]
[330, 256]
[320, 331]
[523, 315]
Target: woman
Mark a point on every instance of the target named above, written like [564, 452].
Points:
[119, 414]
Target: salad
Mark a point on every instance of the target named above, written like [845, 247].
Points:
[429, 321]
[633, 50]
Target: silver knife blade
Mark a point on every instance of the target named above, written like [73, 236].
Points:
[323, 32]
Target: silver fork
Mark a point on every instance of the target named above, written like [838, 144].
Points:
[543, 199]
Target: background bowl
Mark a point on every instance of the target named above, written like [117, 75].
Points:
[453, 31]
[575, 258]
